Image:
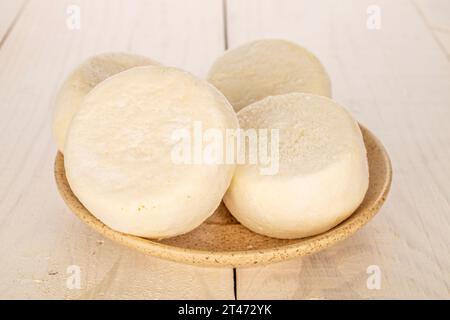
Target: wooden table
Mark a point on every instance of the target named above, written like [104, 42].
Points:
[393, 74]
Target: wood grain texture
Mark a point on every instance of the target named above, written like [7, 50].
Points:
[395, 80]
[435, 14]
[39, 237]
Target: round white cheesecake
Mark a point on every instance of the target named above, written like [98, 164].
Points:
[119, 152]
[322, 174]
[267, 67]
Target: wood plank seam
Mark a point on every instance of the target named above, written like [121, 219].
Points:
[225, 39]
[234, 284]
[13, 23]
[225, 23]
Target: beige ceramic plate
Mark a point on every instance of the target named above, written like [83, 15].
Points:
[222, 241]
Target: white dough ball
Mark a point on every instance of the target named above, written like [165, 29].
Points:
[267, 67]
[118, 154]
[323, 170]
[81, 81]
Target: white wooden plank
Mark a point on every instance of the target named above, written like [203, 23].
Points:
[394, 80]
[39, 237]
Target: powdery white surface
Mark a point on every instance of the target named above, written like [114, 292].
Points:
[267, 67]
[81, 81]
[118, 152]
[323, 174]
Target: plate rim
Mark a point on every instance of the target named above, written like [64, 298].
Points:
[233, 258]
